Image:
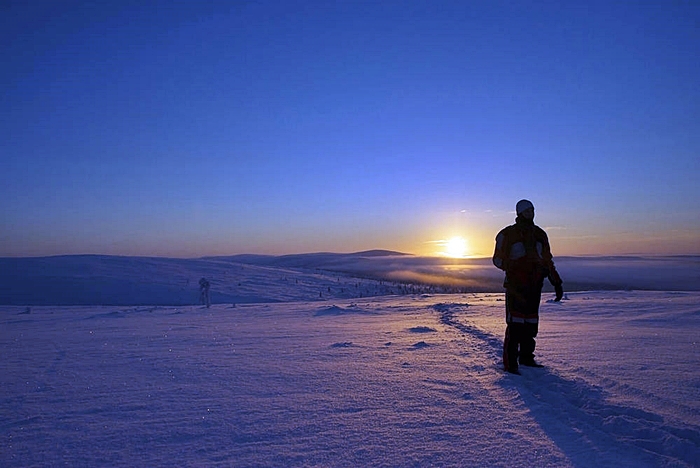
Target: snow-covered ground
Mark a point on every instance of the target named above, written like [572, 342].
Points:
[241, 279]
[410, 380]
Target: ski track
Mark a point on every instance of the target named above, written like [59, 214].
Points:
[578, 416]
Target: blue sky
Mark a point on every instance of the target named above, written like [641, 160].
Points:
[207, 128]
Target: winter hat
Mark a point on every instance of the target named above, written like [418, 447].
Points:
[523, 205]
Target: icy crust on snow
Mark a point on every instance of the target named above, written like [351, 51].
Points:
[392, 381]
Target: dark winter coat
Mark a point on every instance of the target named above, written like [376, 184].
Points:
[523, 252]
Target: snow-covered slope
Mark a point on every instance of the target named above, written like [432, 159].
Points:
[384, 381]
[330, 360]
[95, 279]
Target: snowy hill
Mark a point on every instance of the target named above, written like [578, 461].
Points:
[343, 360]
[98, 279]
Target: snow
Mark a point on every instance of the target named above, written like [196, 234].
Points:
[110, 280]
[385, 380]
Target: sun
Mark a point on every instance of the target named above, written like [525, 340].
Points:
[456, 247]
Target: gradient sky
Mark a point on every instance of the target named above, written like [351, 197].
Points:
[177, 128]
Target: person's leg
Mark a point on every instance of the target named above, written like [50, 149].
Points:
[531, 310]
[506, 349]
[515, 304]
[510, 346]
[527, 344]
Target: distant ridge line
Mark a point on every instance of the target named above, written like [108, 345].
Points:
[379, 253]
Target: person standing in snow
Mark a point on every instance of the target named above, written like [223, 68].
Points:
[522, 251]
[204, 292]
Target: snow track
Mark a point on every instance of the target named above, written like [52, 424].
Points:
[580, 418]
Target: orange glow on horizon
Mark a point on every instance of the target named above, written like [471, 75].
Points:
[454, 247]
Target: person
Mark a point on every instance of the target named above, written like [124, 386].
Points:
[204, 292]
[523, 252]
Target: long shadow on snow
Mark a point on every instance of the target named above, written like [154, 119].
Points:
[590, 430]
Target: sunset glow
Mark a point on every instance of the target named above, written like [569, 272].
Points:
[270, 128]
[456, 247]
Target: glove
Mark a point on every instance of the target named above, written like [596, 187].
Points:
[559, 292]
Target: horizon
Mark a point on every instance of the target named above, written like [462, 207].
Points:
[388, 253]
[123, 280]
[274, 127]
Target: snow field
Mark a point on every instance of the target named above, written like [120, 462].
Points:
[384, 381]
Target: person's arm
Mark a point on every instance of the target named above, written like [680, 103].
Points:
[552, 273]
[556, 281]
[500, 259]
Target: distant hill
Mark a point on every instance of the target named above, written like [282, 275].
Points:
[307, 260]
[116, 280]
[119, 280]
